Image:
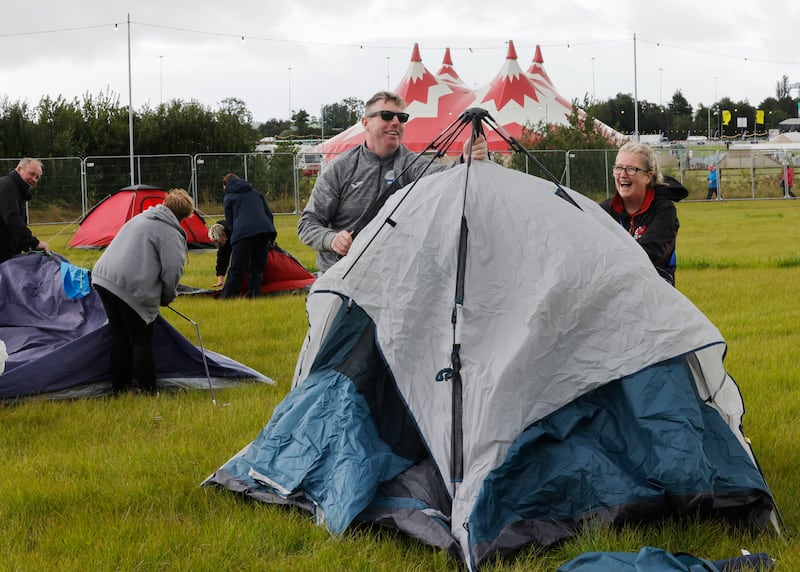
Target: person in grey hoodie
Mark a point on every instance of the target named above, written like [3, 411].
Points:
[139, 272]
[354, 180]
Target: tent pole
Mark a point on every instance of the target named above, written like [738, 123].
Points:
[202, 352]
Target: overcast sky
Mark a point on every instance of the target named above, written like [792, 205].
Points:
[284, 55]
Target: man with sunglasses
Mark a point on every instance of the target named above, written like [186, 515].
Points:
[355, 179]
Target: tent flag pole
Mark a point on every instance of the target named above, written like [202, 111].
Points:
[474, 117]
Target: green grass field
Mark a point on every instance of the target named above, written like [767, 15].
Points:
[113, 484]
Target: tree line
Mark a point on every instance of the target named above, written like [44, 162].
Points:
[677, 120]
[98, 125]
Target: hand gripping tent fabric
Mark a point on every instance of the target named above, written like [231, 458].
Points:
[492, 366]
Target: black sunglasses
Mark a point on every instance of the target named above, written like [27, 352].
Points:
[402, 117]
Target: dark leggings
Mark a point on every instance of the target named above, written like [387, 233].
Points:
[132, 353]
[248, 255]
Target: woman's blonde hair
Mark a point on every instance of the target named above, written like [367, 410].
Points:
[217, 232]
[180, 203]
[650, 161]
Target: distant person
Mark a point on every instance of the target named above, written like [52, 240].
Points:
[139, 272]
[354, 180]
[218, 234]
[15, 191]
[252, 232]
[712, 182]
[644, 205]
[787, 180]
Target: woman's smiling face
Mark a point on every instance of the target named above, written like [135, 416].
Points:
[631, 187]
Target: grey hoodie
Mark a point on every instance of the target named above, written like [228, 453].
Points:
[347, 188]
[144, 263]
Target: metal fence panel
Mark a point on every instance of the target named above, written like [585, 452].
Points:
[273, 174]
[106, 175]
[59, 194]
[70, 186]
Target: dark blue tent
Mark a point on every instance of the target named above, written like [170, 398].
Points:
[58, 346]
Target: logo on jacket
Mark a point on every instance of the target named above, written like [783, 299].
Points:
[639, 231]
[356, 184]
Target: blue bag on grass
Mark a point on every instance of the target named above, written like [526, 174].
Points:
[650, 559]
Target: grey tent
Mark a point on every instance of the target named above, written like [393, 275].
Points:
[491, 366]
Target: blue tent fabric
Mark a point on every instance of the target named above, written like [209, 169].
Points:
[632, 450]
[59, 345]
[321, 439]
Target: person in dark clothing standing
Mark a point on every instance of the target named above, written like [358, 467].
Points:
[644, 205]
[15, 191]
[252, 230]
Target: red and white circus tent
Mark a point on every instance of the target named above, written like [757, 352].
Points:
[514, 98]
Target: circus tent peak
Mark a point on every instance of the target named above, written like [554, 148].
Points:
[510, 85]
[542, 81]
[418, 85]
[536, 69]
[447, 72]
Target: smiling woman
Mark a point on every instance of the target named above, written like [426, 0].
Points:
[644, 205]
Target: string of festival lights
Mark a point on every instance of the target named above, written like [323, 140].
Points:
[380, 46]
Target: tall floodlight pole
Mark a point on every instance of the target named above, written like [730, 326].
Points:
[130, 100]
[290, 93]
[161, 79]
[593, 80]
[635, 95]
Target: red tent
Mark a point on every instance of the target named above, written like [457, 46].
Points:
[284, 273]
[104, 220]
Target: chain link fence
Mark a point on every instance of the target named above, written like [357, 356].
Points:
[71, 186]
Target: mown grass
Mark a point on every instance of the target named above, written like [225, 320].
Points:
[113, 484]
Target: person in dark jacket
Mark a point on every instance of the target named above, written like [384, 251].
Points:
[644, 205]
[139, 272]
[15, 191]
[252, 230]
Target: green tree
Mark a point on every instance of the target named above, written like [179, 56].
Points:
[782, 88]
[339, 116]
[582, 132]
[17, 129]
[61, 129]
[106, 124]
[300, 124]
[274, 127]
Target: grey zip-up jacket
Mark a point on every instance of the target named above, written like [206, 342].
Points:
[144, 263]
[346, 188]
